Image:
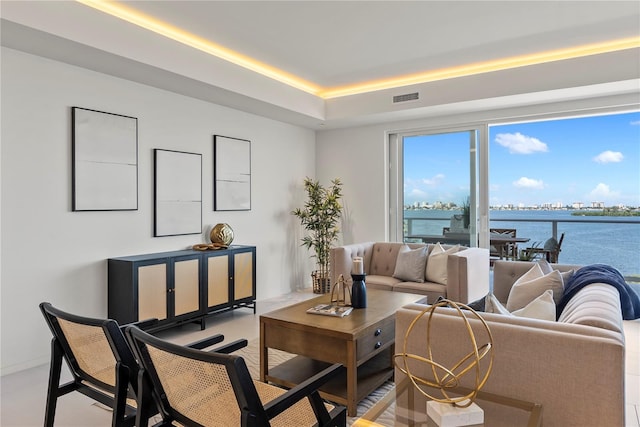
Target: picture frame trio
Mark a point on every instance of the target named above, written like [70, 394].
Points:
[105, 173]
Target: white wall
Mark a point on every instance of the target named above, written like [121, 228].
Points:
[50, 253]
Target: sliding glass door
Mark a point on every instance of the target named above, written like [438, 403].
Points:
[435, 182]
[571, 184]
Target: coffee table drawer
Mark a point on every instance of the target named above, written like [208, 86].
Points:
[375, 337]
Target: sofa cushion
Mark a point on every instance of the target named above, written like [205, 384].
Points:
[380, 282]
[436, 270]
[430, 289]
[597, 304]
[383, 258]
[531, 285]
[410, 264]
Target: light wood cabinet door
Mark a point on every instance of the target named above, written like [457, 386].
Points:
[243, 275]
[186, 286]
[217, 280]
[152, 292]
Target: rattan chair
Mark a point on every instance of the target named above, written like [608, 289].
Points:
[101, 364]
[197, 388]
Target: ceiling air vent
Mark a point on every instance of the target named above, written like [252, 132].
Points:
[405, 97]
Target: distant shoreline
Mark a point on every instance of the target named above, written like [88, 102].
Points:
[631, 211]
[606, 213]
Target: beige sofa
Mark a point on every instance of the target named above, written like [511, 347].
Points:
[574, 367]
[467, 271]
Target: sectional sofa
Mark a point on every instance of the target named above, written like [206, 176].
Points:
[461, 275]
[574, 367]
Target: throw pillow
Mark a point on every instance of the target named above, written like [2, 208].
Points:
[545, 267]
[436, 270]
[477, 305]
[566, 275]
[492, 305]
[543, 308]
[410, 265]
[531, 285]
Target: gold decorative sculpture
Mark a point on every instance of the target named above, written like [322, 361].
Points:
[221, 234]
[446, 379]
[339, 292]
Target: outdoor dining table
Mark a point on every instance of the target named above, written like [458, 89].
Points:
[504, 244]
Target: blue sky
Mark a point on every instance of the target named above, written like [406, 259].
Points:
[584, 160]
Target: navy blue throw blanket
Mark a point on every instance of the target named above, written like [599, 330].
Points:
[601, 273]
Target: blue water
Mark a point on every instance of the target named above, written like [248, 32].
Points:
[584, 243]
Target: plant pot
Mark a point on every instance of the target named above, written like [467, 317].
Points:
[321, 284]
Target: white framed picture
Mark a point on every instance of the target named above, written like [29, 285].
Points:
[105, 161]
[232, 174]
[177, 193]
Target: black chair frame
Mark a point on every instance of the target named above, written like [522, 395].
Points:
[253, 413]
[126, 367]
[83, 382]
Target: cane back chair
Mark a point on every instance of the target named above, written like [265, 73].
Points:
[101, 363]
[198, 388]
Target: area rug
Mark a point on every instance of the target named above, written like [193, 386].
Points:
[251, 355]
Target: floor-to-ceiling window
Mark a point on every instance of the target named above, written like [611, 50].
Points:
[577, 176]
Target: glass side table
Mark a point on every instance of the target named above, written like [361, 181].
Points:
[405, 406]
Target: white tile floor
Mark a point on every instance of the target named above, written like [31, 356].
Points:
[22, 395]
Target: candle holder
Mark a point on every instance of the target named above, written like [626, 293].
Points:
[358, 291]
[340, 291]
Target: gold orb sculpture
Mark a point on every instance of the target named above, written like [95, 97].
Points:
[221, 234]
[447, 379]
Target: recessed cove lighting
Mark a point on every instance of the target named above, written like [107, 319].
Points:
[132, 16]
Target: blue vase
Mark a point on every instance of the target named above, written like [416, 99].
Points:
[358, 291]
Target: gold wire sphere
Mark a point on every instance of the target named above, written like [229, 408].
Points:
[221, 234]
[446, 379]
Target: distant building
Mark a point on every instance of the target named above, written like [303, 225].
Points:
[597, 205]
[577, 205]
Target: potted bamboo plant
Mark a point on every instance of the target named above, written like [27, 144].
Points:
[320, 217]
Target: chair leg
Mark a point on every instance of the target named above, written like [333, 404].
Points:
[318, 408]
[120, 402]
[54, 382]
[146, 405]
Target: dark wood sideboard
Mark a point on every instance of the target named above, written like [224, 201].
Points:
[181, 286]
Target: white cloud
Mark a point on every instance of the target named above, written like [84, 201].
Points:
[436, 180]
[636, 123]
[603, 192]
[518, 143]
[525, 182]
[417, 193]
[609, 157]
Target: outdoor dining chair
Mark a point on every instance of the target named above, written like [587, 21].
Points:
[550, 250]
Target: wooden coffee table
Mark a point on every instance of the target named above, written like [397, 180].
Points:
[363, 342]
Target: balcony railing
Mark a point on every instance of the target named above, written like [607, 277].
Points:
[588, 240]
